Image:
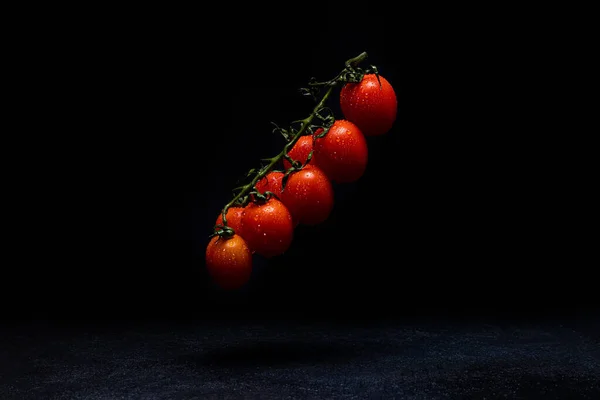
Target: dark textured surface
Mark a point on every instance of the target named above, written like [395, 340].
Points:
[286, 360]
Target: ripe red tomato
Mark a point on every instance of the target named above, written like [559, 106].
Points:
[371, 107]
[342, 153]
[229, 261]
[268, 228]
[234, 218]
[300, 150]
[309, 196]
[271, 182]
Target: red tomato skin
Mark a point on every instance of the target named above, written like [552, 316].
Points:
[268, 227]
[371, 107]
[342, 153]
[234, 218]
[300, 150]
[271, 182]
[229, 261]
[309, 195]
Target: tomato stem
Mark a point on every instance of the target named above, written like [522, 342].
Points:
[348, 74]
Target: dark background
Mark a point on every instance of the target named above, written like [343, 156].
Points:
[471, 204]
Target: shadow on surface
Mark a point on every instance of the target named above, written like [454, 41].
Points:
[274, 354]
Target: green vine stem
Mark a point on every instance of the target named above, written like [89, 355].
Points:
[351, 73]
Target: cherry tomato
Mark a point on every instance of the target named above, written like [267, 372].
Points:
[309, 196]
[271, 182]
[342, 153]
[229, 261]
[268, 228]
[370, 106]
[300, 150]
[234, 218]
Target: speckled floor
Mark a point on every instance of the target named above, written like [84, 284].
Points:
[287, 360]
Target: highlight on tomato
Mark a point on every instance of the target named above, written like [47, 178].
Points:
[342, 153]
[271, 182]
[234, 219]
[300, 151]
[370, 105]
[308, 194]
[267, 226]
[229, 261]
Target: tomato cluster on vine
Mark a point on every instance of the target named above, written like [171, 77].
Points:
[301, 192]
